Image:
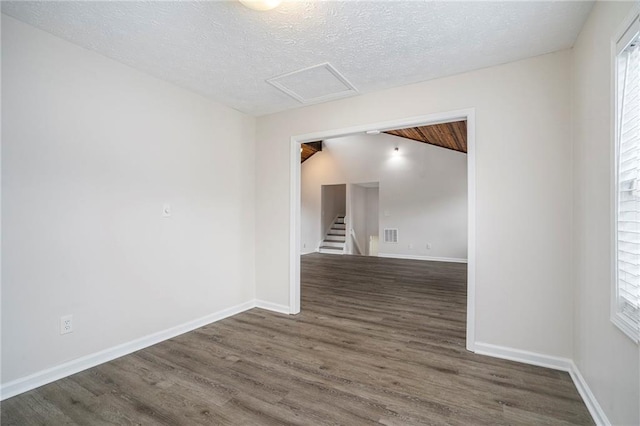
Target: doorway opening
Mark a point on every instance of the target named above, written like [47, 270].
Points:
[363, 218]
[356, 243]
[333, 208]
[348, 220]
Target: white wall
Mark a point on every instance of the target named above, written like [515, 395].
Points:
[357, 220]
[523, 217]
[423, 190]
[333, 204]
[91, 151]
[312, 204]
[372, 226]
[607, 359]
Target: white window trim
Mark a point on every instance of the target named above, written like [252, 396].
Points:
[629, 28]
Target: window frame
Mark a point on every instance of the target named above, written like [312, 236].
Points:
[629, 30]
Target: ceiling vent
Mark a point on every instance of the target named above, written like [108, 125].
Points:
[314, 84]
[391, 235]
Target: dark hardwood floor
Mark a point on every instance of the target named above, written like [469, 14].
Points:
[377, 341]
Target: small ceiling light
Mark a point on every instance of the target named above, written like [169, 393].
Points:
[261, 5]
[396, 150]
[373, 132]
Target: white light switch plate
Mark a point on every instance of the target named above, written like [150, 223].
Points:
[166, 210]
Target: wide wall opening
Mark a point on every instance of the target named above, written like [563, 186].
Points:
[402, 192]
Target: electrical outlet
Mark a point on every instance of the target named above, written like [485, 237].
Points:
[66, 324]
[428, 246]
[166, 210]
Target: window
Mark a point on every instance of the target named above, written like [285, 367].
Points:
[626, 295]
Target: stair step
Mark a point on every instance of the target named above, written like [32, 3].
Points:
[338, 226]
[329, 243]
[331, 250]
[336, 238]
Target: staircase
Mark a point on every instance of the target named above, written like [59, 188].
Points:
[335, 239]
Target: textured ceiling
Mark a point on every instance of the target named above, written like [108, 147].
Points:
[225, 51]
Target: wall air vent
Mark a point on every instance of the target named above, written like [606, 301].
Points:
[314, 84]
[391, 235]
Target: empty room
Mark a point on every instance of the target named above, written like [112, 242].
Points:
[320, 212]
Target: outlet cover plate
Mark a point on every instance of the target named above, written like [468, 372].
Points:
[66, 324]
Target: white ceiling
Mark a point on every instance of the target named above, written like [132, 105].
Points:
[226, 52]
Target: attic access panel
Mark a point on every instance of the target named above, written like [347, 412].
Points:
[314, 84]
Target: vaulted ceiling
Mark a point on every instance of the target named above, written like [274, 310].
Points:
[227, 52]
[451, 135]
[446, 135]
[308, 149]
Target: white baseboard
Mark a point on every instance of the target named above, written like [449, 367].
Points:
[283, 309]
[596, 411]
[556, 363]
[416, 257]
[24, 384]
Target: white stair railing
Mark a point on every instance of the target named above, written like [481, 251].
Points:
[354, 238]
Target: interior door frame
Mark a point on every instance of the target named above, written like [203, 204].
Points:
[294, 214]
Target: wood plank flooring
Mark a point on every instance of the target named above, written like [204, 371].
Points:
[378, 341]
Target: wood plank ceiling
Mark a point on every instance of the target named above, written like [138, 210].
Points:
[447, 135]
[308, 149]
